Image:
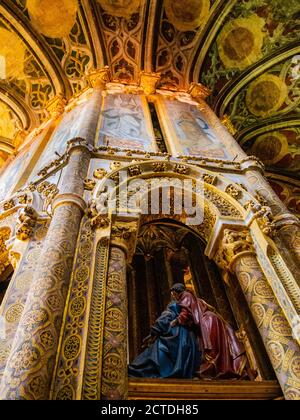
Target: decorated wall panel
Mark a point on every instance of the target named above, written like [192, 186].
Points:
[125, 123]
[194, 135]
[78, 121]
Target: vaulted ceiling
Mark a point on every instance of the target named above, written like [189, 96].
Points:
[246, 51]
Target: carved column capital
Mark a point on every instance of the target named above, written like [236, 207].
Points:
[234, 245]
[149, 82]
[26, 223]
[199, 91]
[98, 78]
[56, 106]
[124, 236]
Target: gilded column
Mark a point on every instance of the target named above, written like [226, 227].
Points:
[31, 363]
[114, 358]
[114, 378]
[237, 253]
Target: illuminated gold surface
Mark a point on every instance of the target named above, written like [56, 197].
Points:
[187, 15]
[12, 51]
[120, 8]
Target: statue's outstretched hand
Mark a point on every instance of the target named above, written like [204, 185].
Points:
[174, 323]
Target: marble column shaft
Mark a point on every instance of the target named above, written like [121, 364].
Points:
[31, 363]
[282, 348]
[114, 365]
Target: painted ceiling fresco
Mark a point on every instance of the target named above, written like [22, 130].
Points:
[246, 51]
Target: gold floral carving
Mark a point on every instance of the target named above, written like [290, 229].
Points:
[4, 254]
[199, 91]
[89, 184]
[234, 192]
[100, 173]
[114, 369]
[99, 78]
[159, 167]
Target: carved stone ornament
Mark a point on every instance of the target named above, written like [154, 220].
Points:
[26, 223]
[99, 78]
[199, 91]
[89, 184]
[228, 124]
[124, 234]
[149, 82]
[210, 179]
[266, 222]
[100, 173]
[181, 169]
[135, 170]
[233, 192]
[115, 166]
[234, 244]
[56, 106]
[8, 205]
[98, 220]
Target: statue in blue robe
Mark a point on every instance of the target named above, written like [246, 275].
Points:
[173, 352]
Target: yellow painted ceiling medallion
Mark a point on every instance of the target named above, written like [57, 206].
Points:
[12, 53]
[120, 8]
[241, 41]
[187, 15]
[271, 147]
[266, 95]
[55, 18]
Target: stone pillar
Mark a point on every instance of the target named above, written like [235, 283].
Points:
[151, 291]
[31, 363]
[238, 255]
[287, 225]
[114, 359]
[115, 347]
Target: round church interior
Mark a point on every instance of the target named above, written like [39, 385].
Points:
[149, 199]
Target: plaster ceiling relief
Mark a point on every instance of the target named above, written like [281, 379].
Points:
[120, 8]
[59, 19]
[266, 95]
[187, 15]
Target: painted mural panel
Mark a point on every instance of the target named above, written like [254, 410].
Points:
[13, 172]
[124, 123]
[81, 121]
[193, 133]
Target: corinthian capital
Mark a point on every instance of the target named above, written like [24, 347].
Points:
[234, 245]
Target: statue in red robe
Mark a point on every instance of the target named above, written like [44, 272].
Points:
[223, 354]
